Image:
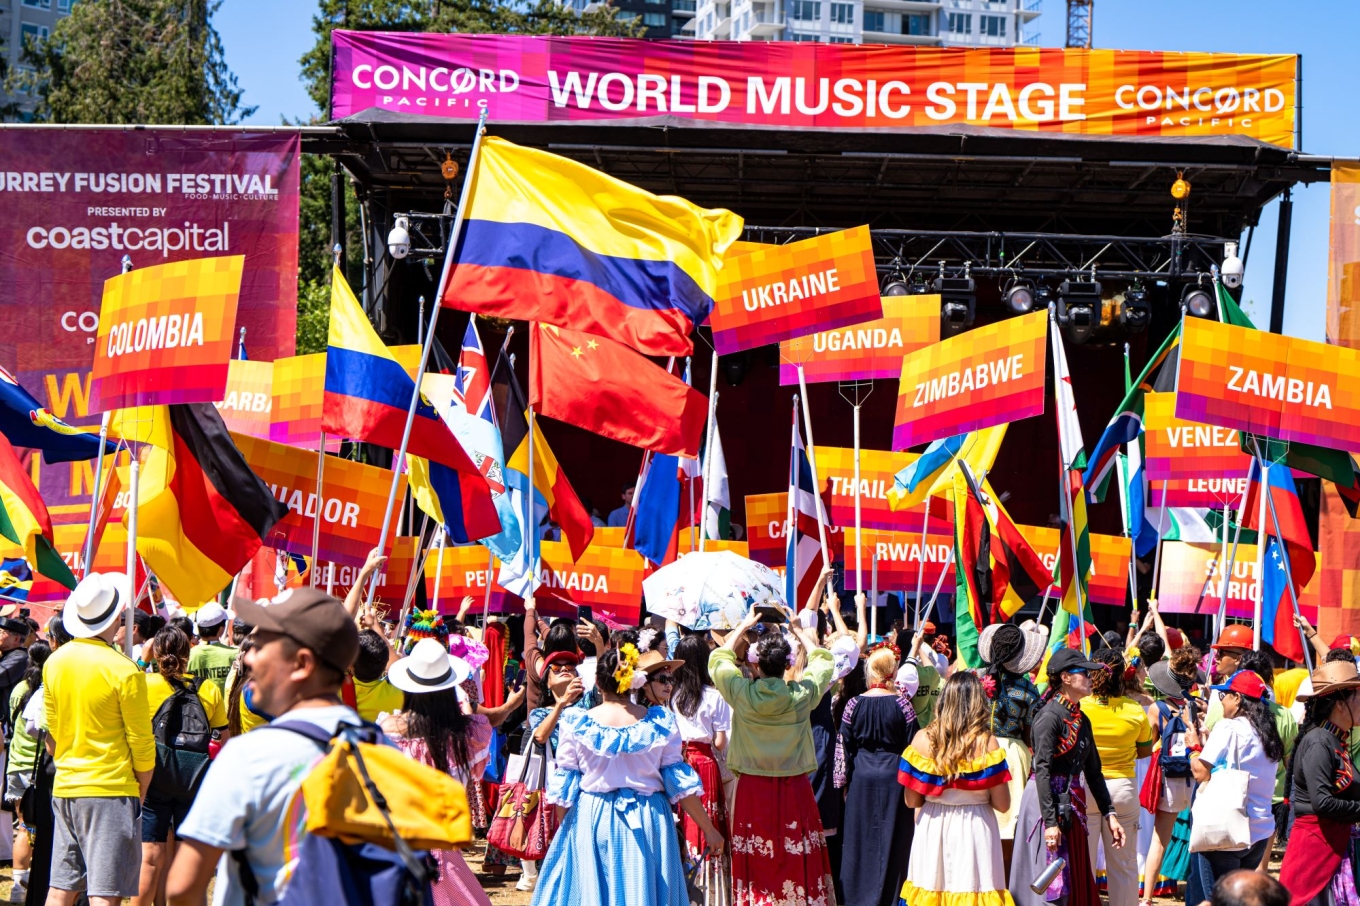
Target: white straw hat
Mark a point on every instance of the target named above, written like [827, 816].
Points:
[95, 604]
[428, 668]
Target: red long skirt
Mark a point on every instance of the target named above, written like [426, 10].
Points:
[699, 755]
[778, 849]
[1316, 850]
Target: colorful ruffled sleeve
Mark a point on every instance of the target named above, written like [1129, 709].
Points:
[920, 773]
[680, 779]
[564, 780]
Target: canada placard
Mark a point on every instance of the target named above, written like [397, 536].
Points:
[983, 377]
[249, 399]
[766, 521]
[867, 351]
[606, 579]
[1176, 449]
[783, 291]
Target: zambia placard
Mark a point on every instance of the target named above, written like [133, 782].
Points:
[1269, 384]
[980, 378]
[1175, 449]
[1108, 582]
[166, 334]
[836, 472]
[784, 291]
[1185, 567]
[867, 351]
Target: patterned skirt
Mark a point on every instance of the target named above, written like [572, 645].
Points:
[779, 853]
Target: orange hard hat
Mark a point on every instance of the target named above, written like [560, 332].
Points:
[1234, 635]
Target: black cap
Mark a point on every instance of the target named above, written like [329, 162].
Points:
[18, 627]
[1071, 659]
[311, 618]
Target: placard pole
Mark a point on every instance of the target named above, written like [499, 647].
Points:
[134, 470]
[873, 597]
[1260, 549]
[712, 429]
[920, 569]
[859, 526]
[1225, 574]
[812, 464]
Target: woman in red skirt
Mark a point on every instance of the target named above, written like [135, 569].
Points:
[778, 850]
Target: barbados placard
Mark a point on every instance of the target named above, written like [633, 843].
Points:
[899, 559]
[980, 378]
[166, 334]
[1108, 582]
[295, 407]
[1269, 384]
[1186, 566]
[867, 351]
[354, 498]
[836, 472]
[246, 405]
[766, 519]
[783, 291]
[1176, 449]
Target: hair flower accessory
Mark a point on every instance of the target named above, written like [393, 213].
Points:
[624, 673]
[645, 639]
[639, 680]
[890, 646]
[989, 685]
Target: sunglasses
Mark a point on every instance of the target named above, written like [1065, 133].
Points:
[664, 679]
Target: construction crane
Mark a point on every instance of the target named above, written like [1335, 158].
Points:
[1080, 14]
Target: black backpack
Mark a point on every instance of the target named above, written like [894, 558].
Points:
[182, 733]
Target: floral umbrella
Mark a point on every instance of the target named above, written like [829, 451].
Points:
[711, 589]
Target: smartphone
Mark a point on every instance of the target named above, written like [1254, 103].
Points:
[585, 613]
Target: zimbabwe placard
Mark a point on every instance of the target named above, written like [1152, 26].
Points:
[899, 560]
[166, 334]
[836, 472]
[354, 499]
[1269, 384]
[867, 351]
[984, 377]
[295, 409]
[249, 399]
[785, 291]
[1175, 449]
[766, 519]
[1186, 566]
[1108, 582]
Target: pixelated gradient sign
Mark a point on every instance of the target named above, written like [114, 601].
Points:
[249, 399]
[1176, 449]
[984, 377]
[295, 411]
[392, 577]
[606, 579]
[783, 291]
[836, 472]
[464, 570]
[867, 351]
[1108, 582]
[1269, 384]
[740, 548]
[165, 334]
[1343, 276]
[1186, 566]
[766, 519]
[899, 559]
[354, 497]
[814, 85]
[1203, 493]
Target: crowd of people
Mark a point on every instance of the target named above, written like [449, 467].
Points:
[790, 760]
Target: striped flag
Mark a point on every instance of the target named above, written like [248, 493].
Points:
[24, 519]
[803, 547]
[972, 568]
[933, 471]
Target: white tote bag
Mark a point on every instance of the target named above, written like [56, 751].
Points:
[1218, 819]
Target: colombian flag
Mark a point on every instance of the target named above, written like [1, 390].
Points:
[24, 519]
[549, 239]
[367, 396]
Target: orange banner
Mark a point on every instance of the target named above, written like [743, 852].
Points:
[766, 519]
[1343, 283]
[1202, 493]
[166, 333]
[1175, 449]
[836, 472]
[1109, 578]
[295, 410]
[246, 405]
[899, 560]
[984, 377]
[1338, 583]
[354, 499]
[391, 578]
[873, 349]
[785, 291]
[1186, 566]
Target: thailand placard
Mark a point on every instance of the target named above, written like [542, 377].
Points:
[1269, 384]
[866, 351]
[984, 377]
[295, 407]
[899, 559]
[166, 334]
[785, 291]
[1176, 449]
[249, 399]
[766, 519]
[1186, 566]
[354, 498]
[836, 472]
[1108, 582]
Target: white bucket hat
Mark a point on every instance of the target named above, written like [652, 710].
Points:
[428, 668]
[96, 604]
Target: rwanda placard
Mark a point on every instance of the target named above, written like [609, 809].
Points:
[899, 560]
[865, 351]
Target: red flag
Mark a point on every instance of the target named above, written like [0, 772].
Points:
[603, 386]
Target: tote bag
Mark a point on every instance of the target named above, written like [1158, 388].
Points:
[1218, 819]
[524, 822]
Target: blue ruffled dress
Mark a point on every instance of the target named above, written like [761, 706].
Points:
[617, 845]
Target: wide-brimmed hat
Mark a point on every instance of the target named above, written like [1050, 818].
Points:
[1334, 677]
[1026, 658]
[845, 652]
[96, 604]
[1164, 681]
[653, 663]
[428, 668]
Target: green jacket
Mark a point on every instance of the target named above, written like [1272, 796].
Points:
[771, 735]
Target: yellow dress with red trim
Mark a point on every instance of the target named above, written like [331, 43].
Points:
[956, 850]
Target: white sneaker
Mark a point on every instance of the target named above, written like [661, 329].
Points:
[17, 894]
[526, 884]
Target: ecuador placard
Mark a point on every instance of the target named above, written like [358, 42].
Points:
[1186, 567]
[246, 405]
[783, 291]
[1269, 384]
[980, 378]
[354, 499]
[836, 471]
[1175, 449]
[165, 334]
[867, 351]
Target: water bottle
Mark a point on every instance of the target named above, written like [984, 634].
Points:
[1047, 876]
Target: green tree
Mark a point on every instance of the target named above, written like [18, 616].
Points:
[132, 61]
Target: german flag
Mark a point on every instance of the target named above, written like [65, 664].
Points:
[201, 513]
[24, 519]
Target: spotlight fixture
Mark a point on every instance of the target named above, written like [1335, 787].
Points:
[958, 302]
[896, 286]
[1079, 308]
[1135, 313]
[734, 368]
[399, 240]
[1019, 296]
[1196, 300]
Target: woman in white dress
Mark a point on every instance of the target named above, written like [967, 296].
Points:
[704, 720]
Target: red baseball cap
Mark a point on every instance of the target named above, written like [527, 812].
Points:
[562, 657]
[1244, 682]
[1343, 641]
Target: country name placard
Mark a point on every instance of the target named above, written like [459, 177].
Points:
[1203, 493]
[867, 351]
[295, 407]
[836, 472]
[1108, 582]
[900, 555]
[1264, 383]
[766, 519]
[249, 398]
[1186, 566]
[783, 291]
[1177, 449]
[984, 377]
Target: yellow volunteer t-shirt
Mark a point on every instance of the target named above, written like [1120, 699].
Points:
[376, 697]
[1119, 726]
[158, 690]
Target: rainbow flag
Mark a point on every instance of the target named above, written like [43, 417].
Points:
[552, 240]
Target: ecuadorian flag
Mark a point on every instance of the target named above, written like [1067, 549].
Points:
[367, 396]
[549, 239]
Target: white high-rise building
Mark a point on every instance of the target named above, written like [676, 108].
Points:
[23, 21]
[967, 23]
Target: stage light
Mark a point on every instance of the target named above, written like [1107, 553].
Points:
[399, 240]
[958, 303]
[896, 286]
[1197, 301]
[734, 368]
[1232, 266]
[1079, 308]
[1135, 312]
[1019, 296]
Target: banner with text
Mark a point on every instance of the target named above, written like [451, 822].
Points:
[784, 291]
[246, 405]
[899, 559]
[980, 378]
[1109, 577]
[836, 471]
[1186, 566]
[1343, 283]
[1269, 384]
[1201, 493]
[766, 519]
[1175, 449]
[463, 569]
[865, 351]
[814, 85]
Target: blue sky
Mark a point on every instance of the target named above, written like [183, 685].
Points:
[264, 40]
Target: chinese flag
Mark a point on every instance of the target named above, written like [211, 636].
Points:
[603, 386]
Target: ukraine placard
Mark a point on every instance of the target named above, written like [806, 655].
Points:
[1176, 449]
[867, 351]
